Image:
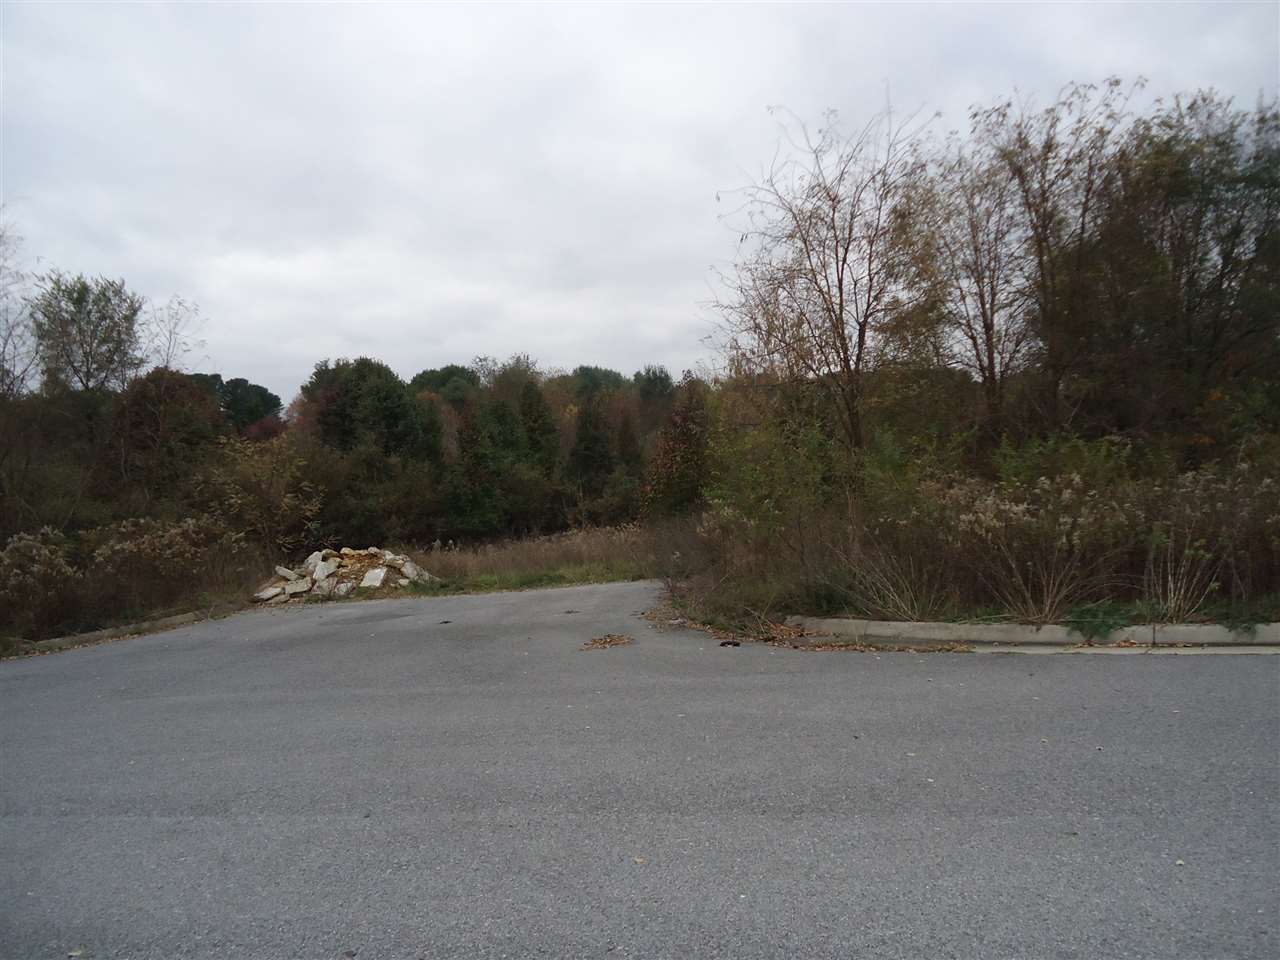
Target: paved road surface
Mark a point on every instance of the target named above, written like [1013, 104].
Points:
[367, 778]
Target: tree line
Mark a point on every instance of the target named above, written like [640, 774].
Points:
[1075, 269]
[98, 427]
[1032, 367]
[1026, 366]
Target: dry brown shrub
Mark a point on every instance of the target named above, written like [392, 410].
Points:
[1203, 528]
[1041, 548]
[36, 577]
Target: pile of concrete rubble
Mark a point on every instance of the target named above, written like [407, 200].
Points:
[338, 573]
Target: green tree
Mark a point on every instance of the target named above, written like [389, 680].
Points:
[678, 472]
[437, 378]
[164, 425]
[452, 383]
[630, 455]
[245, 403]
[1184, 302]
[210, 383]
[589, 381]
[87, 332]
[591, 457]
[654, 389]
[1059, 159]
[262, 490]
[540, 429]
[474, 499]
[241, 402]
[362, 401]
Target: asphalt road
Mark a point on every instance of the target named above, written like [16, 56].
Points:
[366, 779]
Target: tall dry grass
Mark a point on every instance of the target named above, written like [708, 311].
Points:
[662, 549]
[1035, 552]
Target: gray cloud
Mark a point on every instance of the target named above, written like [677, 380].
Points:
[425, 184]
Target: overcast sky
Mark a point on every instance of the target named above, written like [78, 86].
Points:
[428, 184]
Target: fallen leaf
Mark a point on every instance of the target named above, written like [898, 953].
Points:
[608, 640]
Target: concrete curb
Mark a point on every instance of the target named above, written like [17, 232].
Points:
[109, 633]
[1021, 635]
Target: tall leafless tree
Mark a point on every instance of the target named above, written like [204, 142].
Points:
[821, 272]
[974, 260]
[17, 344]
[1059, 158]
[171, 333]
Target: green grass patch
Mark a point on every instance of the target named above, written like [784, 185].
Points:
[1097, 621]
[1243, 616]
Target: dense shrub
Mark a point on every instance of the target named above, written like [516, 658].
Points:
[913, 545]
[260, 491]
[50, 583]
[36, 577]
[1040, 548]
[164, 423]
[143, 563]
[1209, 532]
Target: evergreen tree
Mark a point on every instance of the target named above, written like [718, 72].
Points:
[591, 459]
[362, 401]
[629, 453]
[244, 403]
[591, 381]
[539, 429]
[654, 388]
[679, 468]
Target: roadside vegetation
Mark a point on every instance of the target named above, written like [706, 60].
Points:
[1030, 371]
[633, 551]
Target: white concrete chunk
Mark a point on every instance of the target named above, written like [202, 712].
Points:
[416, 573]
[295, 587]
[325, 568]
[374, 577]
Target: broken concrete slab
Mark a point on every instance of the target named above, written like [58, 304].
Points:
[374, 578]
[295, 587]
[325, 568]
